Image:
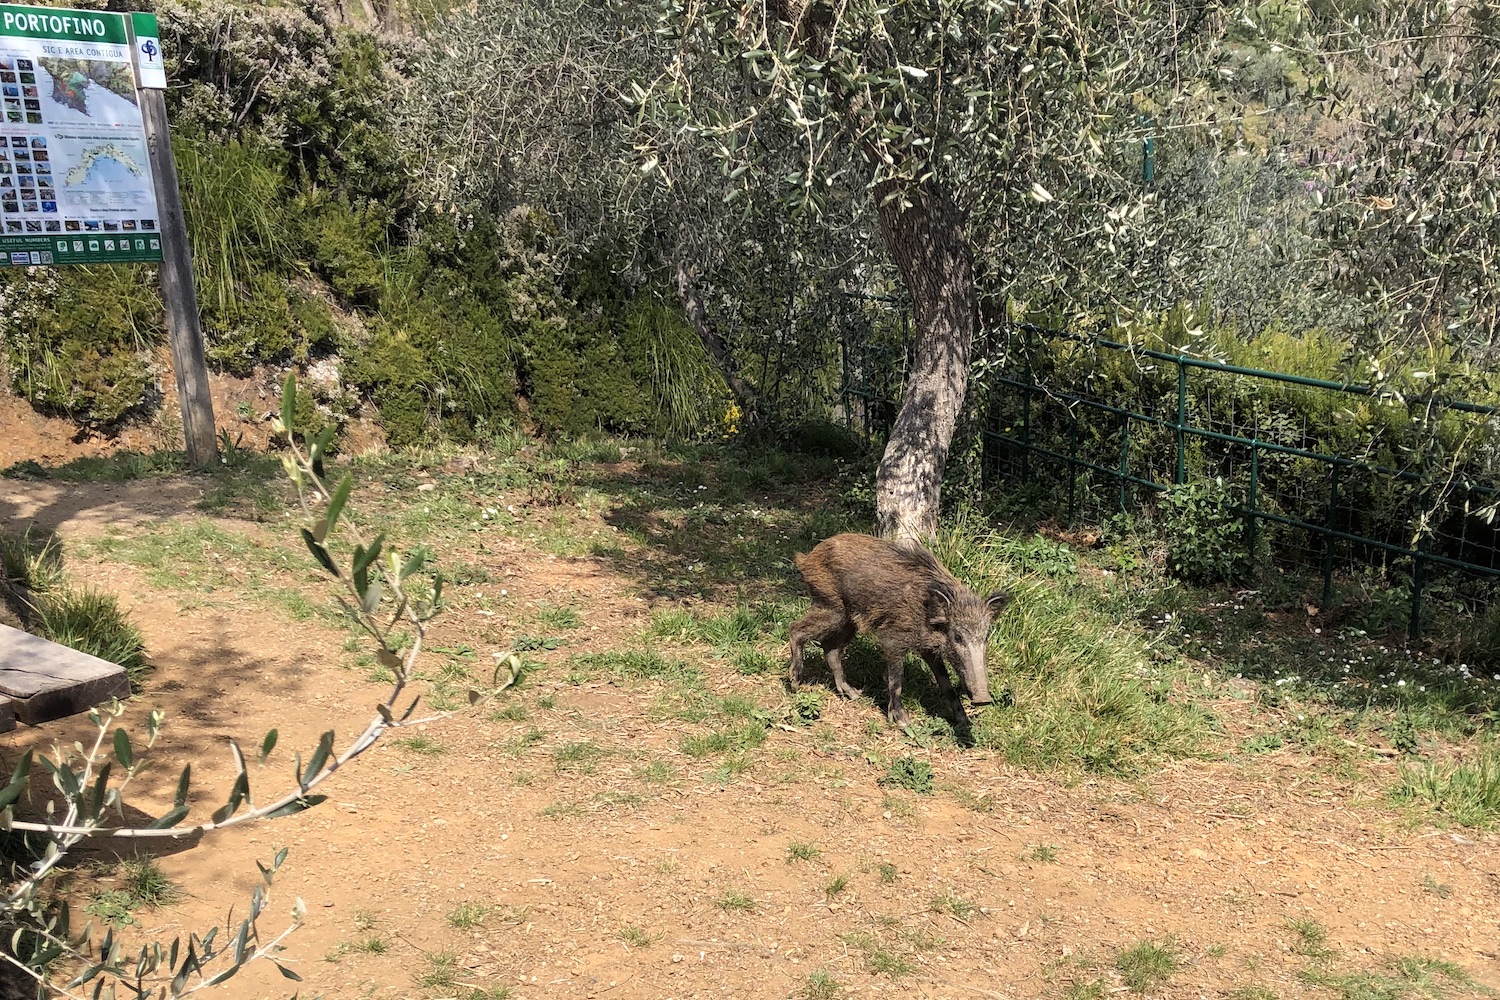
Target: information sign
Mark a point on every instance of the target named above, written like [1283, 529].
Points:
[75, 171]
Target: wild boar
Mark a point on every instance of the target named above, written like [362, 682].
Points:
[901, 594]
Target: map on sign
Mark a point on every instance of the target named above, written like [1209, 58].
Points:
[75, 175]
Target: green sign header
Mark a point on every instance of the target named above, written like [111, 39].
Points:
[55, 23]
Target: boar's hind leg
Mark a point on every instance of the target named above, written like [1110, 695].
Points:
[945, 687]
[816, 626]
[833, 651]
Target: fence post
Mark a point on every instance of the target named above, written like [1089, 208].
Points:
[1181, 476]
[1414, 623]
[1333, 504]
[1026, 406]
[1251, 509]
[1125, 465]
[1072, 470]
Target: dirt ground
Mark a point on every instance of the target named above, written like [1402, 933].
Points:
[1004, 883]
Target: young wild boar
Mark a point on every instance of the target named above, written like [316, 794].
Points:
[904, 597]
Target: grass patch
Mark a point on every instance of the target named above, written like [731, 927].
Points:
[1042, 854]
[421, 744]
[1148, 964]
[836, 886]
[799, 850]
[560, 619]
[1077, 683]
[735, 901]
[633, 664]
[635, 937]
[1311, 937]
[731, 739]
[468, 916]
[1439, 889]
[143, 881]
[953, 904]
[887, 873]
[1468, 793]
[578, 758]
[142, 884]
[821, 985]
[909, 773]
[1402, 978]
[880, 959]
[441, 972]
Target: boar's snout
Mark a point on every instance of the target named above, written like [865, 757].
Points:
[981, 697]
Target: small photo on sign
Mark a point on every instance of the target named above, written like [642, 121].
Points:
[7, 181]
[33, 118]
[40, 156]
[27, 182]
[37, 142]
[8, 77]
[25, 66]
[128, 225]
[11, 90]
[29, 206]
[13, 116]
[53, 226]
[23, 168]
[13, 225]
[32, 105]
[49, 207]
[73, 225]
[44, 168]
[23, 154]
[92, 225]
[18, 141]
[29, 92]
[33, 225]
[28, 78]
[111, 226]
[149, 225]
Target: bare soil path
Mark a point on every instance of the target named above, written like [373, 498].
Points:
[568, 846]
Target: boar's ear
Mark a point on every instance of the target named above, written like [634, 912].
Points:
[939, 603]
[997, 602]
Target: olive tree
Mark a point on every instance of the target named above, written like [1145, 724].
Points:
[996, 144]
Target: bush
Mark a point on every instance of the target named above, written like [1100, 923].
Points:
[79, 340]
[1205, 536]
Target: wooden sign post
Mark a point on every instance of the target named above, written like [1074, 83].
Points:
[178, 289]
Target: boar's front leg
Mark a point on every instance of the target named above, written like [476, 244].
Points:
[895, 669]
[945, 688]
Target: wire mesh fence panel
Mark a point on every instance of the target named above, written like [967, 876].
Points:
[1344, 483]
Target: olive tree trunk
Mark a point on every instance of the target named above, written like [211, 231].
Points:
[927, 241]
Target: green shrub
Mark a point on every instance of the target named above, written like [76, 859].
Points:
[1206, 538]
[80, 343]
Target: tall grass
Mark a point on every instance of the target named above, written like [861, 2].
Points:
[233, 198]
[1076, 687]
[690, 395]
[92, 622]
[1467, 792]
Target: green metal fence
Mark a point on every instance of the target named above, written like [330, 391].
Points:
[1358, 501]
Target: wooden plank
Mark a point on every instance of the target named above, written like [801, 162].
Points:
[45, 681]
